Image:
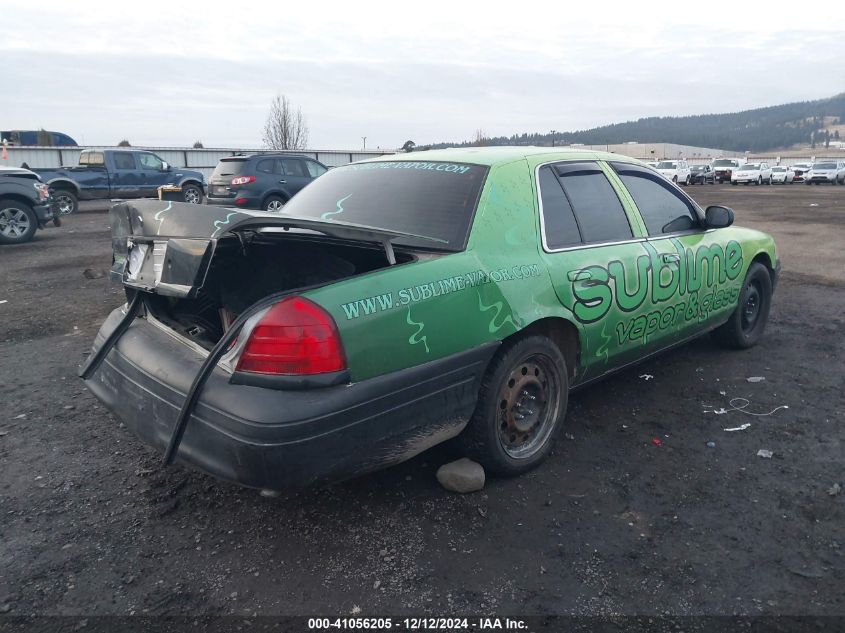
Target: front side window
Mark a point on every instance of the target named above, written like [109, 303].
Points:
[150, 161]
[663, 208]
[427, 198]
[314, 169]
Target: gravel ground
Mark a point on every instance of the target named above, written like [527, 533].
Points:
[610, 524]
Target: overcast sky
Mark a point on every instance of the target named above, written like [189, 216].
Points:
[170, 73]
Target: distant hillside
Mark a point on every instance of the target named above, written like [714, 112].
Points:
[756, 130]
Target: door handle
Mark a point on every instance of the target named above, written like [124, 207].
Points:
[579, 275]
[283, 182]
[671, 257]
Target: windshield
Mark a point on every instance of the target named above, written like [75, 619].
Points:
[697, 168]
[434, 199]
[778, 168]
[824, 166]
[229, 167]
[751, 166]
[666, 164]
[723, 162]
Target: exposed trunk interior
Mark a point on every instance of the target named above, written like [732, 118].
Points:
[245, 271]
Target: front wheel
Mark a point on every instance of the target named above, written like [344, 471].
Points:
[66, 201]
[17, 222]
[192, 194]
[521, 404]
[746, 324]
[759, 180]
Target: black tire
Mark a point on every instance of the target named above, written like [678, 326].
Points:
[192, 194]
[759, 180]
[18, 222]
[675, 179]
[66, 201]
[734, 183]
[505, 444]
[746, 325]
[273, 204]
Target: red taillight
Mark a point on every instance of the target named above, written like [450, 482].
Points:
[243, 180]
[294, 337]
[241, 200]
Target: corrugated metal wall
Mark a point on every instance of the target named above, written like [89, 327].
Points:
[203, 160]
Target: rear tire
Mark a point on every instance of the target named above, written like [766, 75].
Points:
[274, 204]
[521, 406]
[747, 323]
[66, 201]
[18, 222]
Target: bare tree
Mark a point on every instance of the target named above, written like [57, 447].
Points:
[480, 139]
[198, 145]
[285, 127]
[124, 143]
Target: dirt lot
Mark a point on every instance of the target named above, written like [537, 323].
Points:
[610, 524]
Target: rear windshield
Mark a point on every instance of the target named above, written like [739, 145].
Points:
[751, 166]
[434, 199]
[666, 165]
[778, 169]
[230, 167]
[724, 163]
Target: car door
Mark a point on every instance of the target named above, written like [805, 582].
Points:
[152, 174]
[696, 281]
[267, 176]
[125, 177]
[594, 251]
[294, 174]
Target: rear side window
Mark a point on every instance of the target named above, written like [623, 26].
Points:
[663, 208]
[266, 165]
[293, 167]
[92, 159]
[124, 161]
[559, 225]
[598, 211]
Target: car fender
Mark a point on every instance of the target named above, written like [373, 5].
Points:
[64, 183]
[282, 193]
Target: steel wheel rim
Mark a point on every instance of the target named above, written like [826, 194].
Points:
[751, 307]
[275, 205]
[65, 204]
[192, 196]
[13, 222]
[527, 407]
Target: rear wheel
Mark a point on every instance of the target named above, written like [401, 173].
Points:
[745, 326]
[274, 204]
[66, 201]
[17, 222]
[759, 180]
[521, 404]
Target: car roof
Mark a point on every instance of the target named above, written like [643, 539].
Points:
[266, 155]
[501, 155]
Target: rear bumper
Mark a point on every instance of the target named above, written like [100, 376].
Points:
[282, 440]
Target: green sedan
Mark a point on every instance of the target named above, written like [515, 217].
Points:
[397, 303]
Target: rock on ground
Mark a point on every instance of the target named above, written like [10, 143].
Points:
[463, 475]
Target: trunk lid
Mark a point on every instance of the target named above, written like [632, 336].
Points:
[166, 247]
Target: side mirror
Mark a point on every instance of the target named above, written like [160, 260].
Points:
[165, 166]
[718, 217]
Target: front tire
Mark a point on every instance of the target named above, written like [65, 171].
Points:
[18, 222]
[521, 405]
[747, 323]
[192, 194]
[66, 201]
[759, 180]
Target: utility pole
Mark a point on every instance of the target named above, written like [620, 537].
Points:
[364, 138]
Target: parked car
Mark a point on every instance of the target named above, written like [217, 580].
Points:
[723, 168]
[799, 169]
[782, 174]
[400, 302]
[37, 137]
[677, 171]
[757, 173]
[826, 171]
[702, 174]
[261, 181]
[25, 205]
[118, 173]
[653, 163]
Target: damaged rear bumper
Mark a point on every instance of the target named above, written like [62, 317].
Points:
[282, 440]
